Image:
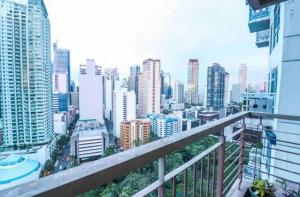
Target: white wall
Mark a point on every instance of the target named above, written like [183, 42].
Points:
[123, 110]
[90, 92]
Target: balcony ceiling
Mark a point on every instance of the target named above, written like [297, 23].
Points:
[259, 4]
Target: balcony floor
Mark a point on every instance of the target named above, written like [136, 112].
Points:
[235, 192]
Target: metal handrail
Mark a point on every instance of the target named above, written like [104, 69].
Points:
[90, 175]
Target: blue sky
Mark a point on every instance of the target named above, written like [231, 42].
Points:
[121, 33]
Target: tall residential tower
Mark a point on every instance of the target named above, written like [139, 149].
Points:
[25, 73]
[193, 82]
[149, 87]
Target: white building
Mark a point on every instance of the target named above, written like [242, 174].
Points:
[243, 72]
[164, 126]
[60, 123]
[178, 92]
[111, 82]
[89, 140]
[282, 37]
[17, 169]
[91, 91]
[124, 103]
[149, 87]
[226, 90]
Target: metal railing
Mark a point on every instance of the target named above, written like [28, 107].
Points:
[213, 171]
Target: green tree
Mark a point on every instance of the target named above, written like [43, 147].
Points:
[62, 141]
[49, 166]
[110, 151]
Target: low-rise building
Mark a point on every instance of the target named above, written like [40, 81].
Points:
[60, 123]
[164, 125]
[134, 133]
[89, 140]
[18, 169]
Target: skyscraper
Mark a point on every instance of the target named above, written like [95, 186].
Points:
[124, 108]
[149, 87]
[91, 91]
[193, 78]
[25, 73]
[133, 80]
[216, 86]
[112, 82]
[243, 72]
[178, 92]
[226, 90]
[60, 95]
[61, 63]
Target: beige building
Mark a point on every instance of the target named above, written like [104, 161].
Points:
[134, 132]
[149, 88]
[243, 78]
[193, 86]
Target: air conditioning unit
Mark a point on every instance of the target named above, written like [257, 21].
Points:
[259, 4]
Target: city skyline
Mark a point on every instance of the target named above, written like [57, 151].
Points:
[131, 45]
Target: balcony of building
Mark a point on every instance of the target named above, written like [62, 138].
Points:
[225, 168]
[259, 4]
[259, 20]
[262, 38]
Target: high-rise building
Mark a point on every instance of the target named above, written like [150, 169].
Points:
[178, 92]
[61, 63]
[149, 87]
[111, 82]
[235, 93]
[124, 108]
[60, 95]
[167, 88]
[25, 73]
[193, 82]
[226, 90]
[135, 132]
[216, 87]
[74, 100]
[281, 35]
[91, 91]
[243, 72]
[133, 81]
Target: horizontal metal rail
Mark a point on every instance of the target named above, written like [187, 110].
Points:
[90, 175]
[283, 160]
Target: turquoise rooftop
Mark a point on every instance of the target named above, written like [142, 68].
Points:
[15, 167]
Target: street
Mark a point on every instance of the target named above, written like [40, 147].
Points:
[62, 161]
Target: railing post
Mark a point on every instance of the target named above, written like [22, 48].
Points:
[242, 148]
[221, 159]
[161, 175]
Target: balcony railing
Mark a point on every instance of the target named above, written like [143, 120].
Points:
[213, 172]
[259, 20]
[262, 38]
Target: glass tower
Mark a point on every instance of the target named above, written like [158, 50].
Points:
[25, 73]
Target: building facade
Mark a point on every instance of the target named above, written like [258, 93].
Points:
[178, 92]
[91, 91]
[243, 75]
[25, 73]
[134, 133]
[164, 126]
[112, 82]
[216, 87]
[193, 82]
[124, 108]
[133, 81]
[283, 40]
[89, 140]
[149, 87]
[60, 94]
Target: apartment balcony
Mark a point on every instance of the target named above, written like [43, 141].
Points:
[263, 38]
[259, 20]
[259, 4]
[226, 168]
